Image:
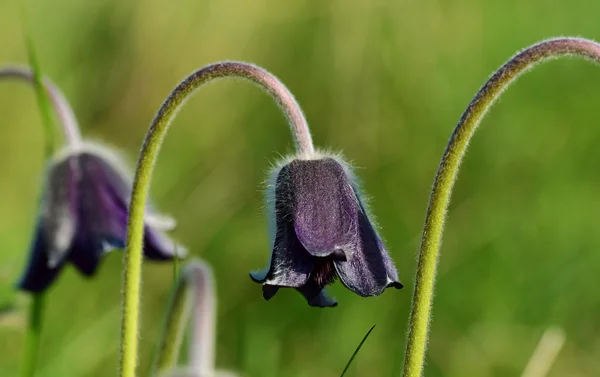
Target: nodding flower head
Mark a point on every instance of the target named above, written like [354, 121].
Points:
[322, 231]
[84, 215]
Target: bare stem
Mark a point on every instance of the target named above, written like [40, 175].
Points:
[145, 165]
[69, 124]
[447, 174]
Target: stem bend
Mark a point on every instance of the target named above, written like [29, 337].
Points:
[447, 174]
[145, 165]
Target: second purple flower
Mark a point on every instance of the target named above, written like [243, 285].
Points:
[83, 215]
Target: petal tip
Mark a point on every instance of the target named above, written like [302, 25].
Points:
[269, 291]
[258, 276]
[395, 284]
[160, 222]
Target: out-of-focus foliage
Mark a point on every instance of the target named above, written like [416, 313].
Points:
[383, 81]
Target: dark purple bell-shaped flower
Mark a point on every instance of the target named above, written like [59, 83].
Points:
[84, 215]
[322, 231]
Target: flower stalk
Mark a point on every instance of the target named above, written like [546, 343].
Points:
[43, 90]
[154, 138]
[447, 174]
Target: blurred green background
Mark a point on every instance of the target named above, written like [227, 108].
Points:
[384, 82]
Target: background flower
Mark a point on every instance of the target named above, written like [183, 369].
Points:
[84, 216]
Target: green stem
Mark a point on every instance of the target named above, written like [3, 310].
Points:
[447, 174]
[145, 165]
[32, 336]
[171, 337]
[34, 326]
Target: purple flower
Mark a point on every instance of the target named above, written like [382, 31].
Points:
[84, 215]
[322, 231]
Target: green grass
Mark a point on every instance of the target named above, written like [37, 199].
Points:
[384, 83]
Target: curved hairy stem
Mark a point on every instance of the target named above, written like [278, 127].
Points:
[61, 106]
[193, 295]
[447, 174]
[145, 165]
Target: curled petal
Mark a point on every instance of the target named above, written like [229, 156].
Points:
[268, 290]
[157, 246]
[315, 295]
[290, 264]
[59, 209]
[370, 270]
[38, 275]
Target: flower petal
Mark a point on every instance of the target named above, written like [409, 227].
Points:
[158, 246]
[102, 209]
[290, 264]
[38, 275]
[103, 214]
[370, 270]
[87, 251]
[324, 206]
[122, 182]
[59, 209]
[158, 221]
[317, 296]
[314, 295]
